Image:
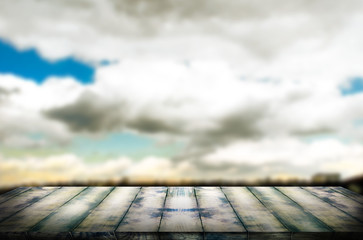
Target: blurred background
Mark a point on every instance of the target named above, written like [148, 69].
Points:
[170, 92]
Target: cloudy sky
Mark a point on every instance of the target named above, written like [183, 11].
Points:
[171, 89]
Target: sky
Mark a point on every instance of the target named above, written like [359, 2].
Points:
[171, 90]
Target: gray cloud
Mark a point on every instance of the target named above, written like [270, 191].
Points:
[264, 30]
[148, 124]
[6, 92]
[241, 124]
[89, 113]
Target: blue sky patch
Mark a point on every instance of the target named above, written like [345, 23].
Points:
[355, 86]
[114, 145]
[29, 64]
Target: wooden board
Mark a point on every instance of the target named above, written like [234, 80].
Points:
[66, 218]
[355, 196]
[333, 217]
[19, 223]
[217, 215]
[24, 200]
[292, 215]
[104, 219]
[181, 213]
[143, 218]
[8, 195]
[181, 218]
[255, 216]
[338, 200]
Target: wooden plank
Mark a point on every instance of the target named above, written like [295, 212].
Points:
[10, 194]
[257, 219]
[64, 219]
[355, 196]
[218, 217]
[288, 212]
[23, 200]
[181, 217]
[143, 218]
[331, 216]
[104, 219]
[30, 216]
[338, 200]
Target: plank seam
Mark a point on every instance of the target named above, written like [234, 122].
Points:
[16, 194]
[114, 231]
[307, 211]
[331, 204]
[235, 212]
[272, 212]
[89, 212]
[53, 212]
[341, 192]
[200, 217]
[162, 210]
[29, 205]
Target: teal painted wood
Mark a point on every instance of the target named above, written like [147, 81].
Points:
[30, 216]
[180, 213]
[143, 218]
[181, 217]
[333, 217]
[338, 200]
[288, 212]
[23, 200]
[355, 196]
[255, 216]
[104, 219]
[8, 195]
[64, 219]
[217, 214]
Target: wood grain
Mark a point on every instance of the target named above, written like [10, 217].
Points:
[10, 194]
[143, 218]
[338, 200]
[64, 219]
[30, 216]
[103, 220]
[255, 216]
[288, 212]
[217, 215]
[181, 215]
[23, 200]
[333, 217]
[355, 196]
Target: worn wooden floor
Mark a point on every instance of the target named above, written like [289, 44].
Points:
[181, 213]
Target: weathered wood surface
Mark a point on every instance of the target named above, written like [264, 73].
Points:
[24, 220]
[290, 214]
[181, 213]
[24, 200]
[336, 219]
[344, 203]
[355, 196]
[256, 218]
[63, 220]
[104, 219]
[8, 195]
[143, 218]
[181, 216]
[217, 214]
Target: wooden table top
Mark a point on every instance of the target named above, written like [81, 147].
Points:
[181, 213]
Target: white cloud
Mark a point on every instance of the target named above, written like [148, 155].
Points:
[226, 78]
[70, 168]
[290, 151]
[21, 110]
